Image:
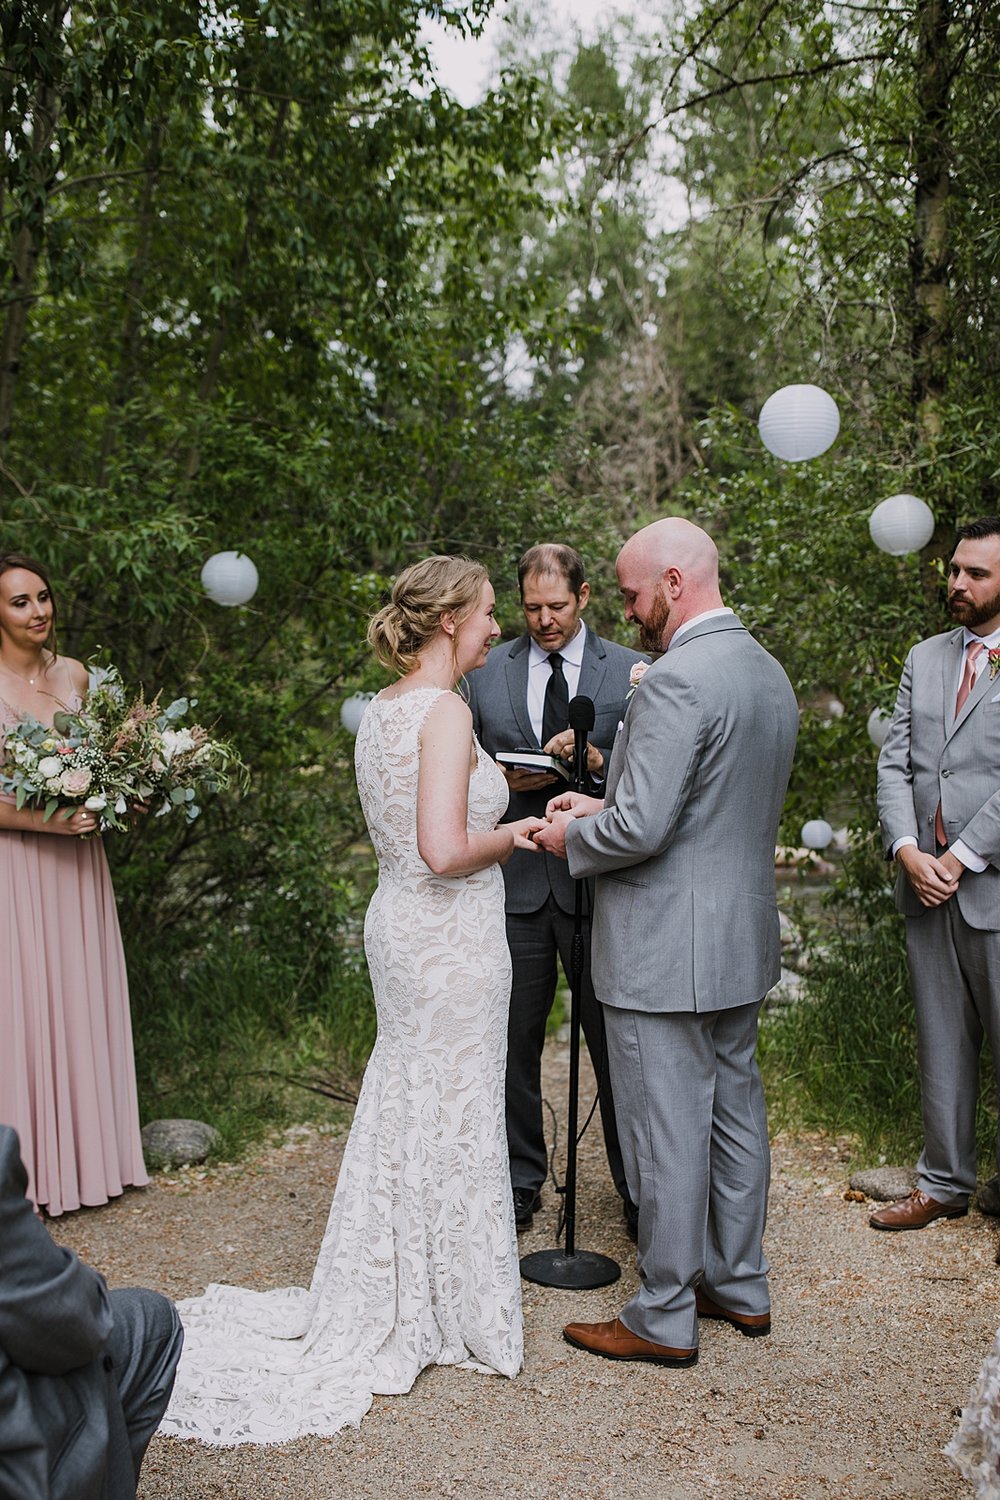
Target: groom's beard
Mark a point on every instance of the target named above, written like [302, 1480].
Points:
[652, 628]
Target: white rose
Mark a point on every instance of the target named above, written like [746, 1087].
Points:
[177, 742]
[53, 786]
[96, 804]
[49, 767]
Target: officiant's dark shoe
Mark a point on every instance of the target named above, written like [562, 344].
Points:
[527, 1202]
[753, 1325]
[916, 1212]
[630, 1212]
[614, 1341]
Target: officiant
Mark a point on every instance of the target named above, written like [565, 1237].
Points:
[520, 700]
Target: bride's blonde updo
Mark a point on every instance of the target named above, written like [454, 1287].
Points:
[420, 596]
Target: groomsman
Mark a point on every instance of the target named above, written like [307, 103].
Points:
[686, 944]
[85, 1374]
[939, 807]
[520, 699]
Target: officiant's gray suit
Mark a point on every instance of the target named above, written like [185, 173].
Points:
[686, 944]
[929, 756]
[85, 1373]
[540, 892]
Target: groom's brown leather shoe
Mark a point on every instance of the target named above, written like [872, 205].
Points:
[915, 1212]
[614, 1341]
[752, 1325]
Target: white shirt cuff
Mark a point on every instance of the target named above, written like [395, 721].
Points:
[966, 857]
[906, 839]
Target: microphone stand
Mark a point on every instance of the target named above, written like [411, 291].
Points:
[570, 1268]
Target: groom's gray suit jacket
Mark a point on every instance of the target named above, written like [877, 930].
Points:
[56, 1390]
[685, 914]
[928, 757]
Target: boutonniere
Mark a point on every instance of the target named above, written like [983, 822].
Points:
[639, 671]
[993, 661]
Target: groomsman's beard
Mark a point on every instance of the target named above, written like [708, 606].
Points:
[967, 613]
[652, 628]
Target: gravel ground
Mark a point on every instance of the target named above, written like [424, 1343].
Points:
[877, 1338]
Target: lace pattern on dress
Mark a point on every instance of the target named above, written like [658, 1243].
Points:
[419, 1262]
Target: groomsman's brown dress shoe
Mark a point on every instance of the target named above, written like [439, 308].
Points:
[752, 1325]
[916, 1212]
[614, 1341]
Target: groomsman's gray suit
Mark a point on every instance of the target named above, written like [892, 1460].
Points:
[540, 892]
[85, 1375]
[686, 944]
[929, 756]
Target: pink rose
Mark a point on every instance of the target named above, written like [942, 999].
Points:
[75, 783]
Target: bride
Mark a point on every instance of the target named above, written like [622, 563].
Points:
[418, 1263]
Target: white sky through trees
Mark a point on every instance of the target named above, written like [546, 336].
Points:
[465, 67]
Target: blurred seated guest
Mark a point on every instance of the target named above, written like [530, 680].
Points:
[85, 1374]
[67, 1074]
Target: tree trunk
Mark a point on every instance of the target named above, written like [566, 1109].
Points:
[28, 237]
[931, 253]
[131, 337]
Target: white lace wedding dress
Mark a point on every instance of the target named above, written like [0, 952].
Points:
[418, 1264]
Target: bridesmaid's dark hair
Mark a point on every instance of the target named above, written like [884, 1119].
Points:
[11, 560]
[420, 596]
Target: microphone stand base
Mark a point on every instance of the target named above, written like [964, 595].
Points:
[578, 1272]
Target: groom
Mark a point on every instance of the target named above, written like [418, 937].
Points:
[686, 944]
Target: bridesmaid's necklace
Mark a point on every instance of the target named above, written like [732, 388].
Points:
[29, 680]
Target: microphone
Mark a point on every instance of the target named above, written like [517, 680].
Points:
[581, 721]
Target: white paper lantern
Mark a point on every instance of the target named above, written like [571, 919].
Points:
[229, 578]
[901, 524]
[816, 834]
[352, 711]
[798, 422]
[878, 727]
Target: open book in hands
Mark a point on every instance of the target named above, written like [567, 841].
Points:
[534, 760]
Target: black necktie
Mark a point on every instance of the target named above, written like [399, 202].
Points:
[555, 713]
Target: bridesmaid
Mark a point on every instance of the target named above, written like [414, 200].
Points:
[67, 1074]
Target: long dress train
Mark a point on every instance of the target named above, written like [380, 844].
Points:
[418, 1264]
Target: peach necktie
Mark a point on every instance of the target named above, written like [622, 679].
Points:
[972, 652]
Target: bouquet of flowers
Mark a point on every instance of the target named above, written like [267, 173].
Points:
[114, 753]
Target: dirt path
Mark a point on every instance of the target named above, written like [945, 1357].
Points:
[876, 1340]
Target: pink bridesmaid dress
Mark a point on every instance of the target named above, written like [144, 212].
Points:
[67, 1073]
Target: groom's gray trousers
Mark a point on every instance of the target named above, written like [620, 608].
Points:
[693, 1129]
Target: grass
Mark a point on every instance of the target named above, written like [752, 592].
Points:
[221, 1040]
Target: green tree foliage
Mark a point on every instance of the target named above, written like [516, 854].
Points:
[245, 306]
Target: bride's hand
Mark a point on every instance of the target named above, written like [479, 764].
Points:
[524, 830]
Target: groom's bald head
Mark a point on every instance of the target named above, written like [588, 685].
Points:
[668, 572]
